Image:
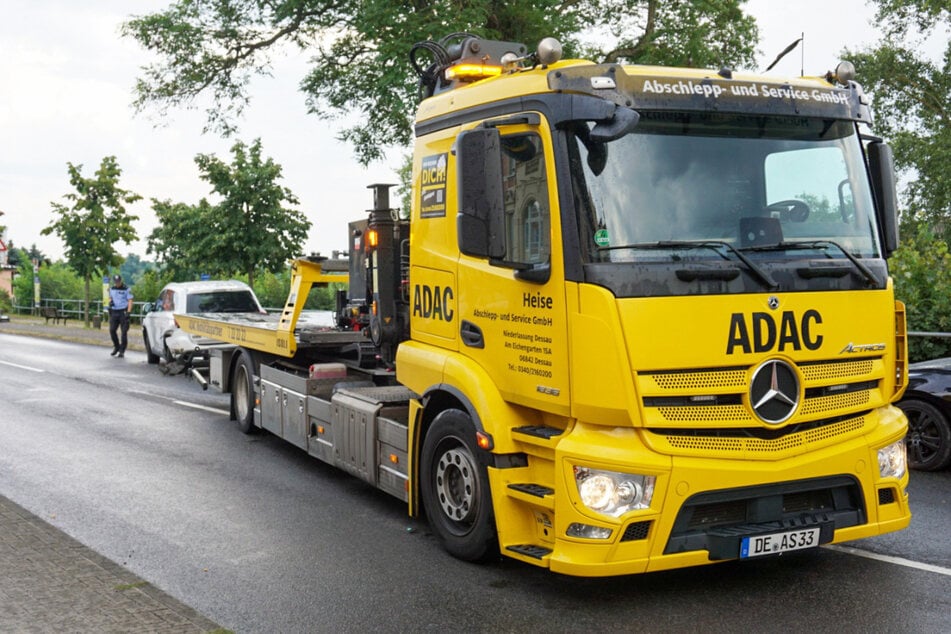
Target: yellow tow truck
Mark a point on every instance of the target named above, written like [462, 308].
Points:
[640, 318]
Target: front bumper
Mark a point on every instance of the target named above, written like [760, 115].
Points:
[703, 506]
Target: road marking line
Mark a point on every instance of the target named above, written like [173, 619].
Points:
[22, 367]
[898, 561]
[203, 407]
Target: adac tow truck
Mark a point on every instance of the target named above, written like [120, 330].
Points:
[640, 318]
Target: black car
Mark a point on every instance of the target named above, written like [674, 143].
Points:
[927, 404]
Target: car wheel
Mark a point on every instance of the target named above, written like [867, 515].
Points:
[455, 488]
[929, 435]
[151, 356]
[242, 394]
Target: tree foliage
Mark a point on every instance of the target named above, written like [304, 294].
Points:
[57, 281]
[149, 284]
[94, 221]
[251, 229]
[359, 49]
[179, 238]
[273, 288]
[910, 95]
[6, 302]
[922, 271]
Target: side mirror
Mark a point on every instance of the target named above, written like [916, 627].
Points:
[607, 130]
[882, 164]
[481, 210]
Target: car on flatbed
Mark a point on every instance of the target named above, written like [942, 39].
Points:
[927, 405]
[165, 342]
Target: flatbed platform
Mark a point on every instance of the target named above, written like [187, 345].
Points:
[280, 334]
[266, 333]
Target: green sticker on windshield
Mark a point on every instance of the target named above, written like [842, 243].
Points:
[601, 238]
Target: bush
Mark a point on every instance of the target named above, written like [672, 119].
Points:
[57, 281]
[6, 302]
[272, 290]
[921, 268]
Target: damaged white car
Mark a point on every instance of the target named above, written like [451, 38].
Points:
[177, 350]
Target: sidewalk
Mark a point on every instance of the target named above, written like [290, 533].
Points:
[49, 582]
[70, 330]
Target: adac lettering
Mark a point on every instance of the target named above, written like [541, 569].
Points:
[433, 302]
[763, 332]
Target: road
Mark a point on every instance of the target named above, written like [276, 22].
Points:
[148, 471]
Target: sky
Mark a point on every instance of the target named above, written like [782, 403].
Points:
[66, 80]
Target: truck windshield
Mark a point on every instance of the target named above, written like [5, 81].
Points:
[770, 188]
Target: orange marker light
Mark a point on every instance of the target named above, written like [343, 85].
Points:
[484, 440]
[373, 238]
[394, 458]
[471, 72]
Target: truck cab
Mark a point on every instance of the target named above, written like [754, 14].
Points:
[660, 299]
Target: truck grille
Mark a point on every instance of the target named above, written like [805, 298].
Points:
[743, 443]
[698, 412]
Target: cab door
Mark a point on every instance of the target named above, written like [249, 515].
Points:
[513, 317]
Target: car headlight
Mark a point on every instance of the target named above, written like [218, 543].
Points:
[613, 493]
[891, 460]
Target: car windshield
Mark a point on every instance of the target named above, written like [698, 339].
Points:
[241, 301]
[755, 183]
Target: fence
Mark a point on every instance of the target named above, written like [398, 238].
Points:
[73, 308]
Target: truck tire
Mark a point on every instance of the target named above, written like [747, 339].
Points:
[455, 489]
[929, 435]
[242, 394]
[149, 355]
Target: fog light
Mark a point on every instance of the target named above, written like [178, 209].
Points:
[587, 531]
[891, 460]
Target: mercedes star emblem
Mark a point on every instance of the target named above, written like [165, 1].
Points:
[774, 392]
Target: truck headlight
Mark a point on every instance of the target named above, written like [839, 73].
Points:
[612, 493]
[891, 460]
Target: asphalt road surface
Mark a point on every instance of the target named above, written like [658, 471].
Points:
[148, 471]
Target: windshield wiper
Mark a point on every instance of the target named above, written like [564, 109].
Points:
[714, 245]
[820, 244]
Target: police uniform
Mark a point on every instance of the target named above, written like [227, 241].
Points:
[120, 305]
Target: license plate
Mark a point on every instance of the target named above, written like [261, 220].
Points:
[776, 543]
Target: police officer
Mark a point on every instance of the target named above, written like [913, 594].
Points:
[120, 305]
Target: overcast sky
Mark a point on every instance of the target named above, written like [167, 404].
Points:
[66, 81]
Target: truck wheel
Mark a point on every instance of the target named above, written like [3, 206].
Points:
[455, 489]
[929, 435]
[242, 394]
[151, 356]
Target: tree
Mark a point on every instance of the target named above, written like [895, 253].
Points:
[133, 268]
[57, 281]
[6, 302]
[360, 49]
[911, 94]
[149, 285]
[179, 237]
[93, 222]
[922, 271]
[250, 230]
[14, 254]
